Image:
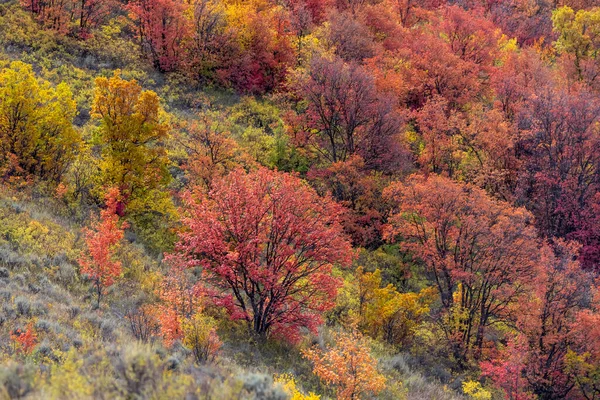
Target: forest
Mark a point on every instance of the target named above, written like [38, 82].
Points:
[300, 199]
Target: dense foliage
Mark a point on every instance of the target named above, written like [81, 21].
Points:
[299, 199]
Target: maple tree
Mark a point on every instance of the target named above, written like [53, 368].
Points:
[77, 17]
[481, 252]
[348, 365]
[200, 336]
[560, 138]
[548, 355]
[161, 28]
[359, 190]
[508, 370]
[582, 361]
[266, 242]
[345, 114]
[562, 288]
[579, 38]
[208, 39]
[102, 240]
[212, 150]
[385, 312]
[260, 51]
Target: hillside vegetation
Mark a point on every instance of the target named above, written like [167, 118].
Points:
[299, 199]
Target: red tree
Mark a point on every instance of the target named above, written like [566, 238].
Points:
[560, 146]
[97, 261]
[480, 252]
[267, 243]
[161, 27]
[346, 115]
[563, 290]
[359, 190]
[552, 323]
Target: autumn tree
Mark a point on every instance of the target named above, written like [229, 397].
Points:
[36, 133]
[359, 190]
[259, 51]
[384, 312]
[132, 134]
[78, 17]
[102, 240]
[208, 41]
[547, 355]
[435, 70]
[347, 365]
[345, 115]
[480, 252]
[266, 242]
[161, 28]
[90, 14]
[26, 340]
[507, 371]
[579, 39]
[559, 141]
[563, 290]
[582, 361]
[52, 14]
[210, 148]
[471, 36]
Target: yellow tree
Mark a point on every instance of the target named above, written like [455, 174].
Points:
[385, 312]
[579, 37]
[132, 135]
[348, 365]
[36, 133]
[132, 132]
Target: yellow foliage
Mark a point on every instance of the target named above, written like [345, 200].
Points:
[200, 335]
[132, 131]
[383, 311]
[474, 390]
[36, 132]
[288, 383]
[65, 380]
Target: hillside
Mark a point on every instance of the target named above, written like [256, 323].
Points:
[305, 199]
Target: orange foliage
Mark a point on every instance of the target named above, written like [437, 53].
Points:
[347, 365]
[101, 241]
[25, 340]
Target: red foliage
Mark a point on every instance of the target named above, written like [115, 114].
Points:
[98, 259]
[552, 322]
[77, 17]
[26, 340]
[560, 149]
[480, 251]
[258, 61]
[161, 28]
[562, 290]
[267, 243]
[507, 371]
[359, 190]
[346, 115]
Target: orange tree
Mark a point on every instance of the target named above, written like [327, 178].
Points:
[347, 365]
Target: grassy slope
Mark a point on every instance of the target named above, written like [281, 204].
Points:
[40, 284]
